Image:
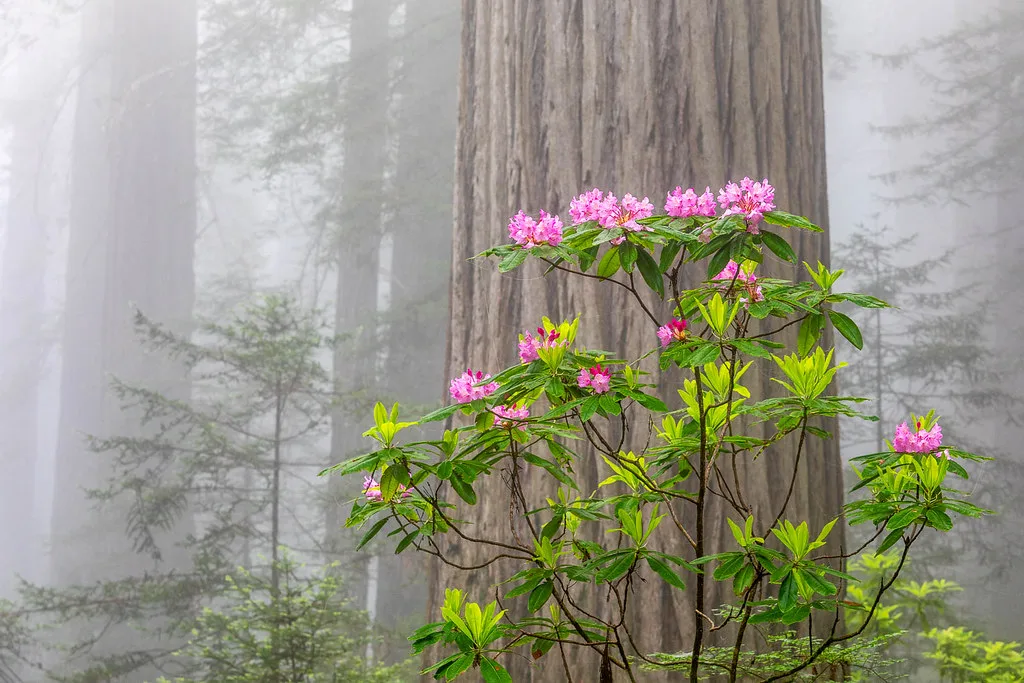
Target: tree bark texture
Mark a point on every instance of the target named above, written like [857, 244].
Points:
[358, 243]
[633, 96]
[420, 223]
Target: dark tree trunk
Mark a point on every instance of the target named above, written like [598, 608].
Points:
[633, 96]
[358, 240]
[421, 227]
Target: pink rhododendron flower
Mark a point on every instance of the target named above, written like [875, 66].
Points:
[511, 416]
[462, 388]
[529, 233]
[610, 212]
[597, 378]
[748, 198]
[674, 330]
[529, 344]
[685, 204]
[733, 273]
[372, 489]
[920, 441]
[584, 207]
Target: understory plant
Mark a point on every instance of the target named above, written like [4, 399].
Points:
[562, 403]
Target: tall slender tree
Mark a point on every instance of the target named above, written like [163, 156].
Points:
[358, 239]
[420, 225]
[28, 227]
[131, 245]
[639, 97]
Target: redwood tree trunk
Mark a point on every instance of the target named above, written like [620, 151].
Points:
[358, 250]
[632, 96]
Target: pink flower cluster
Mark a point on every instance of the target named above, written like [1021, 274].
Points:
[920, 441]
[748, 198]
[685, 204]
[674, 330]
[529, 233]
[733, 272]
[597, 378]
[371, 489]
[463, 389]
[610, 213]
[528, 344]
[511, 416]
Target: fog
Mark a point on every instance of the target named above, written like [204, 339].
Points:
[168, 167]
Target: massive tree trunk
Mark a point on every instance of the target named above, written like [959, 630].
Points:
[639, 97]
[421, 229]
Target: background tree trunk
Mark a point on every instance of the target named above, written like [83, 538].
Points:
[420, 225]
[358, 245]
[133, 227]
[633, 96]
[29, 225]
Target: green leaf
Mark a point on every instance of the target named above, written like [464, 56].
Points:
[668, 255]
[512, 261]
[650, 272]
[539, 596]
[652, 403]
[666, 573]
[743, 579]
[493, 672]
[750, 348]
[779, 246]
[551, 468]
[788, 220]
[405, 542]
[617, 568]
[810, 328]
[788, 594]
[730, 567]
[627, 256]
[718, 261]
[524, 588]
[368, 536]
[904, 518]
[459, 666]
[707, 353]
[846, 327]
[889, 541]
[818, 584]
[388, 485]
[957, 469]
[938, 519]
[609, 264]
[464, 490]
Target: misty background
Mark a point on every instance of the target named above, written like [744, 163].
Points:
[190, 158]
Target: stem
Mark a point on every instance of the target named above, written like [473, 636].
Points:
[734, 664]
[698, 631]
[275, 494]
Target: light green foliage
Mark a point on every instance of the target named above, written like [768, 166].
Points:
[259, 395]
[965, 657]
[304, 632]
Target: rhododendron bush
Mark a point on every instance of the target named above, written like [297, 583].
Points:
[562, 402]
